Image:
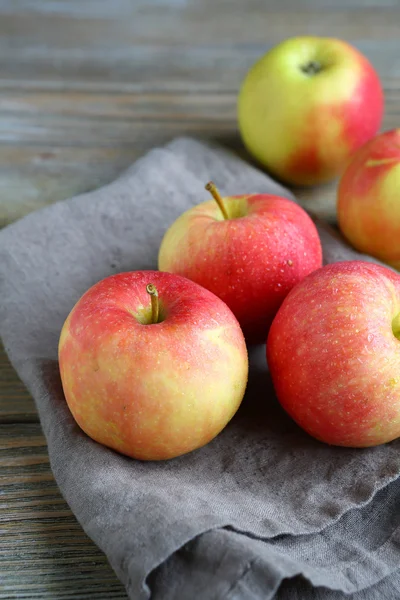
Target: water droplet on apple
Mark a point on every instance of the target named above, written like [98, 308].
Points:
[370, 337]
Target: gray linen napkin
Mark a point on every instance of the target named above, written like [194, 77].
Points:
[262, 502]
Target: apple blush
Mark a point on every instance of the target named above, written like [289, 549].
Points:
[368, 203]
[307, 105]
[334, 354]
[152, 365]
[249, 250]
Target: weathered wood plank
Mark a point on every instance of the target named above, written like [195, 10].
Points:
[166, 106]
[137, 126]
[16, 404]
[44, 552]
[156, 67]
[103, 9]
[33, 176]
[55, 145]
[150, 106]
[40, 162]
[201, 43]
[201, 22]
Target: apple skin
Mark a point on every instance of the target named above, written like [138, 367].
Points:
[303, 127]
[368, 206]
[152, 391]
[251, 260]
[334, 354]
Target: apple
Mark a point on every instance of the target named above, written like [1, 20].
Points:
[249, 250]
[368, 206]
[152, 365]
[333, 352]
[307, 105]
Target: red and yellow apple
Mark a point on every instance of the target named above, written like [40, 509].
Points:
[307, 105]
[249, 250]
[152, 365]
[333, 352]
[368, 206]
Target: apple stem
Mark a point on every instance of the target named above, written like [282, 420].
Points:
[212, 188]
[311, 68]
[152, 290]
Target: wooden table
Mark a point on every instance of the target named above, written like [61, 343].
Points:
[85, 88]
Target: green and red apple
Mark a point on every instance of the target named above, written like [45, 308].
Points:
[307, 105]
[333, 352]
[368, 206]
[249, 250]
[152, 365]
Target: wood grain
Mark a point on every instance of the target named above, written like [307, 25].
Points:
[16, 404]
[201, 67]
[44, 552]
[55, 145]
[196, 22]
[85, 89]
[103, 9]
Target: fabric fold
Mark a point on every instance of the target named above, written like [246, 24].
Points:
[235, 518]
